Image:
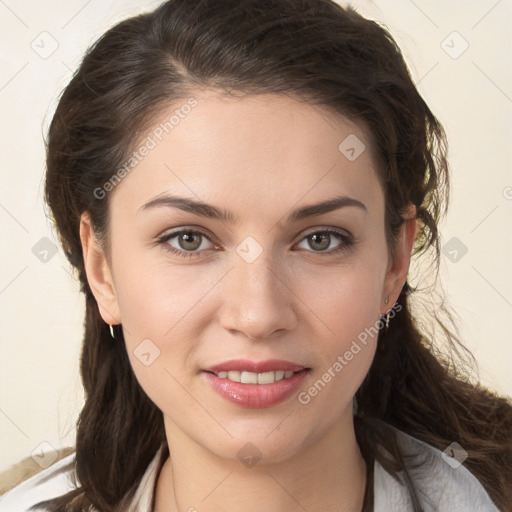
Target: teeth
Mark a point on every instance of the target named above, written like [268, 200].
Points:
[255, 378]
[280, 375]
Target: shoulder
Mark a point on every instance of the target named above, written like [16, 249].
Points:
[442, 482]
[60, 478]
[56, 480]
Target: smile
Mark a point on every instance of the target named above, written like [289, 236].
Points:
[255, 378]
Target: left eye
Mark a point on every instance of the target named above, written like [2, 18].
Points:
[188, 242]
[322, 240]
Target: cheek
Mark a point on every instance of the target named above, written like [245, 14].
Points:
[345, 343]
[345, 310]
[164, 307]
[346, 298]
[349, 312]
[156, 296]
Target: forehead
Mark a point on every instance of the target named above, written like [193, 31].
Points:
[255, 150]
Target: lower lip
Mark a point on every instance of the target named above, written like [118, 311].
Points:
[256, 396]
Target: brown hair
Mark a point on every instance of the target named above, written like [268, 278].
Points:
[314, 51]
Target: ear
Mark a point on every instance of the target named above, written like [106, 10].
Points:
[98, 273]
[398, 266]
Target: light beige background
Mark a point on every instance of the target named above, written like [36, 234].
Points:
[41, 311]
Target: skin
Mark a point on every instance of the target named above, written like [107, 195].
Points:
[259, 157]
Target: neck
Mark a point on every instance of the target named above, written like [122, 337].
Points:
[330, 474]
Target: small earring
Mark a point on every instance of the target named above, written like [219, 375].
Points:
[387, 314]
[112, 331]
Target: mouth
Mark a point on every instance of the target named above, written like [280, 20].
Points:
[256, 389]
[246, 371]
[254, 384]
[246, 377]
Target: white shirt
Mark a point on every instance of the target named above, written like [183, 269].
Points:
[442, 484]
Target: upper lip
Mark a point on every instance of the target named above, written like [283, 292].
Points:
[255, 366]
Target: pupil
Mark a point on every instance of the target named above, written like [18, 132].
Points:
[325, 238]
[187, 239]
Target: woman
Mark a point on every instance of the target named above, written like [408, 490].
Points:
[240, 186]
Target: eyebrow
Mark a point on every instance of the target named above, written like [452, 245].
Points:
[209, 211]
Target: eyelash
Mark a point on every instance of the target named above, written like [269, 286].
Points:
[346, 240]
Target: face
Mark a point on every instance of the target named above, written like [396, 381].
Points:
[270, 280]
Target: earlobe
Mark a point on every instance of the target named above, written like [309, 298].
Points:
[98, 273]
[399, 266]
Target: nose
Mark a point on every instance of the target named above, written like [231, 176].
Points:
[259, 301]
